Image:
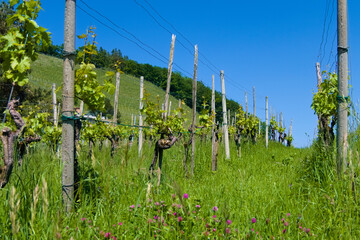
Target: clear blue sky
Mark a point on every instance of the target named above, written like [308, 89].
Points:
[272, 45]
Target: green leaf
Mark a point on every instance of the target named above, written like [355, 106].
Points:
[13, 2]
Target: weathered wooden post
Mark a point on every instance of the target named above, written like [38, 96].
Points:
[225, 123]
[246, 105]
[194, 112]
[171, 58]
[116, 98]
[267, 123]
[342, 97]
[54, 105]
[140, 115]
[254, 102]
[214, 145]
[68, 143]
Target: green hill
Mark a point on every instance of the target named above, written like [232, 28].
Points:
[48, 70]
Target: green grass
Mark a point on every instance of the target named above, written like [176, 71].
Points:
[265, 184]
[47, 70]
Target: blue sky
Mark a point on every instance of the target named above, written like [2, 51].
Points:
[272, 45]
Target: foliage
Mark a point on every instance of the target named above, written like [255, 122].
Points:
[19, 43]
[87, 88]
[5, 11]
[324, 101]
[247, 125]
[206, 119]
[273, 124]
[38, 124]
[155, 117]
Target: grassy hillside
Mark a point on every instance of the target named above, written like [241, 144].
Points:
[48, 70]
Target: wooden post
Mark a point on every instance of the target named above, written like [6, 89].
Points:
[228, 120]
[194, 112]
[58, 110]
[81, 107]
[163, 108]
[267, 123]
[180, 103]
[140, 115]
[254, 101]
[342, 97]
[225, 123]
[171, 58]
[54, 104]
[318, 75]
[169, 111]
[116, 98]
[246, 105]
[213, 137]
[68, 143]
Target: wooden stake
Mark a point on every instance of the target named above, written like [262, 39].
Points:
[246, 105]
[54, 104]
[213, 137]
[267, 123]
[194, 112]
[171, 58]
[318, 75]
[254, 100]
[68, 143]
[169, 111]
[225, 123]
[116, 97]
[81, 107]
[228, 120]
[342, 97]
[140, 115]
[180, 103]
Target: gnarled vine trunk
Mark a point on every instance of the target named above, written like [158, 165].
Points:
[8, 138]
[161, 145]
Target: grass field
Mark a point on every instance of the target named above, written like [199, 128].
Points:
[262, 195]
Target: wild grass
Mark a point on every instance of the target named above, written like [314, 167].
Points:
[264, 194]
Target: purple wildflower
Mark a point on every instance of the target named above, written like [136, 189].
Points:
[186, 196]
[253, 220]
[228, 222]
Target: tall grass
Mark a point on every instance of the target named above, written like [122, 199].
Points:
[263, 194]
